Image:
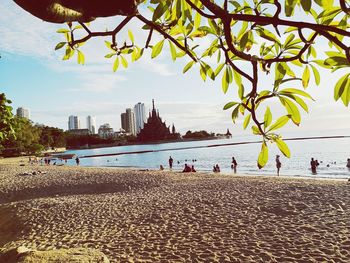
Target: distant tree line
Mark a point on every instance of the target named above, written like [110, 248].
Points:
[198, 135]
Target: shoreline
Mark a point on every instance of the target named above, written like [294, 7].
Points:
[153, 216]
[23, 160]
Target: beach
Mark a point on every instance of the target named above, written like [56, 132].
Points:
[163, 216]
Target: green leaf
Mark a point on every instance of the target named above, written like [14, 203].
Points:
[346, 94]
[157, 49]
[188, 66]
[110, 55]
[116, 64]
[234, 114]
[256, 130]
[292, 109]
[267, 117]
[263, 156]
[172, 50]
[81, 58]
[340, 86]
[124, 62]
[60, 45]
[63, 30]
[225, 80]
[316, 75]
[230, 105]
[246, 121]
[219, 68]
[283, 147]
[296, 91]
[279, 123]
[306, 77]
[306, 4]
[131, 36]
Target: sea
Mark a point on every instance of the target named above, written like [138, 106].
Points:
[331, 153]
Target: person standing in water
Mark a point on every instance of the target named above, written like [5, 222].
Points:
[234, 165]
[77, 161]
[278, 164]
[171, 162]
[313, 166]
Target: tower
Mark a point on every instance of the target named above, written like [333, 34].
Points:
[73, 123]
[23, 113]
[91, 124]
[140, 116]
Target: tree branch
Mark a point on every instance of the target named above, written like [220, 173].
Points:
[166, 35]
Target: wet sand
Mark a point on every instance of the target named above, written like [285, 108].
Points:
[161, 216]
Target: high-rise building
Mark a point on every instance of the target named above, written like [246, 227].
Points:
[91, 124]
[23, 113]
[106, 131]
[73, 123]
[128, 121]
[140, 116]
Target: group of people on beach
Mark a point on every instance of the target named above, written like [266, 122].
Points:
[314, 163]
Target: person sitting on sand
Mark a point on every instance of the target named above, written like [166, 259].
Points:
[187, 169]
[192, 169]
[161, 168]
[278, 164]
[217, 168]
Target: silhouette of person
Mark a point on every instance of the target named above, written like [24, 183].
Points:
[348, 164]
[77, 161]
[192, 169]
[217, 168]
[278, 164]
[171, 162]
[187, 169]
[234, 165]
[214, 169]
[161, 167]
[313, 166]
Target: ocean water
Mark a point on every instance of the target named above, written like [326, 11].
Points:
[332, 152]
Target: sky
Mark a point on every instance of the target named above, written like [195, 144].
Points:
[33, 75]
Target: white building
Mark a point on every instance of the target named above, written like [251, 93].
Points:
[73, 123]
[140, 116]
[23, 113]
[106, 131]
[91, 124]
[128, 121]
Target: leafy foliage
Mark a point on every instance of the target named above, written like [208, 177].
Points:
[244, 39]
[6, 119]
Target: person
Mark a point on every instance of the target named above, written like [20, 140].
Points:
[234, 164]
[214, 169]
[278, 164]
[187, 169]
[77, 161]
[192, 169]
[348, 164]
[313, 166]
[217, 168]
[161, 167]
[171, 162]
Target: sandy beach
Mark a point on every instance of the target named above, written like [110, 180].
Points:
[162, 216]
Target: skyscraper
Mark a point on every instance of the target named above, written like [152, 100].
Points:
[128, 121]
[73, 122]
[140, 116]
[23, 113]
[91, 124]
